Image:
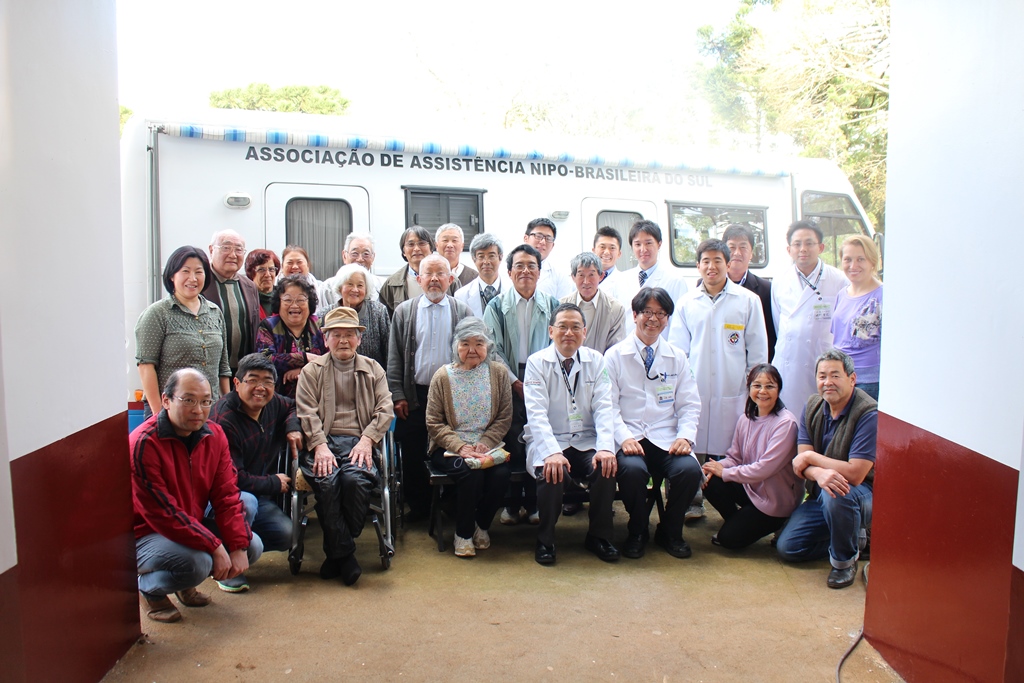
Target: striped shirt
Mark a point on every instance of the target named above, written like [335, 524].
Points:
[237, 318]
[433, 337]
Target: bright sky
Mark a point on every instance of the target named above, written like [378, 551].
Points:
[456, 63]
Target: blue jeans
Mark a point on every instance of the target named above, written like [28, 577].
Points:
[827, 526]
[268, 521]
[167, 567]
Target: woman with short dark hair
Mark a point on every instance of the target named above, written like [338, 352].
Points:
[291, 336]
[182, 331]
[754, 487]
[262, 267]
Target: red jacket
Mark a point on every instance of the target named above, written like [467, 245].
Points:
[171, 486]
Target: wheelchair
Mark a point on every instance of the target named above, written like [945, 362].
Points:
[385, 511]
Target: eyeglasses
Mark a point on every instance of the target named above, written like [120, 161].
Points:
[413, 245]
[575, 329]
[550, 239]
[253, 382]
[288, 301]
[237, 248]
[264, 270]
[523, 267]
[360, 254]
[192, 403]
[648, 313]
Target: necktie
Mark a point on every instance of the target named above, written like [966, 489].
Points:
[567, 365]
[643, 277]
[648, 358]
[488, 294]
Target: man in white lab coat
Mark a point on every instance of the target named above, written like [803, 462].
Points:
[569, 432]
[720, 327]
[608, 248]
[486, 252]
[656, 407]
[802, 301]
[645, 239]
[540, 234]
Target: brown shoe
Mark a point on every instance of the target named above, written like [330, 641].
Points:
[190, 597]
[161, 609]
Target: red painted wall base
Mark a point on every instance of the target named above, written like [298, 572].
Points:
[73, 595]
[941, 554]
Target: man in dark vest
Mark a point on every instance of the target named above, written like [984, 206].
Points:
[740, 240]
[836, 455]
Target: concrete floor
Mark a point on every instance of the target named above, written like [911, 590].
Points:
[717, 616]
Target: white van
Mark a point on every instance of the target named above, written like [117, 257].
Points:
[280, 179]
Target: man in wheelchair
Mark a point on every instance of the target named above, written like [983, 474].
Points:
[344, 406]
[258, 424]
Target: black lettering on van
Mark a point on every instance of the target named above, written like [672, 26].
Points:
[251, 154]
[307, 159]
[265, 154]
[278, 154]
[415, 163]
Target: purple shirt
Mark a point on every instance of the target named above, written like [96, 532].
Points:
[761, 458]
[857, 331]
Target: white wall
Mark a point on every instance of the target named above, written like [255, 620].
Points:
[61, 310]
[61, 302]
[954, 318]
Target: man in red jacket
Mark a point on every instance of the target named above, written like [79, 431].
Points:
[180, 462]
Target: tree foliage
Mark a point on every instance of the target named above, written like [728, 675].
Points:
[813, 70]
[126, 114]
[319, 99]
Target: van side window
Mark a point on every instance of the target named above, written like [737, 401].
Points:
[622, 221]
[694, 223]
[838, 218]
[432, 207]
[319, 226]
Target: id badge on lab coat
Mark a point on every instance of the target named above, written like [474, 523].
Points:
[575, 421]
[822, 312]
[665, 393]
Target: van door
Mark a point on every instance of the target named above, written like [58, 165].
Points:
[620, 214]
[317, 218]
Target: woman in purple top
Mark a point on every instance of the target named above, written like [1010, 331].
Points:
[754, 487]
[291, 337]
[857, 317]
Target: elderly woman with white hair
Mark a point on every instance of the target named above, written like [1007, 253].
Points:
[469, 410]
[354, 287]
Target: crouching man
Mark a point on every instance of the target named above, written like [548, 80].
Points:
[570, 432]
[258, 423]
[836, 455]
[180, 463]
[344, 406]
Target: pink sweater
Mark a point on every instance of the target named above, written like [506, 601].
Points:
[761, 458]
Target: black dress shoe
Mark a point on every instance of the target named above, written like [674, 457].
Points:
[545, 554]
[602, 548]
[676, 547]
[350, 570]
[330, 569]
[841, 578]
[633, 548]
[570, 509]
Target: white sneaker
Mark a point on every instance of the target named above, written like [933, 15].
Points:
[507, 518]
[695, 512]
[464, 547]
[481, 539]
[535, 518]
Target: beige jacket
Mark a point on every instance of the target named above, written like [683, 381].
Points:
[608, 326]
[314, 399]
[441, 410]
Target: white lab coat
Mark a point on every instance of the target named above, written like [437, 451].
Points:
[638, 411]
[664, 276]
[724, 340]
[469, 293]
[611, 285]
[553, 281]
[803, 324]
[548, 405]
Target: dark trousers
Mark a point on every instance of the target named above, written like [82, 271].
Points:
[684, 477]
[521, 494]
[744, 523]
[478, 493]
[602, 495]
[411, 433]
[342, 497]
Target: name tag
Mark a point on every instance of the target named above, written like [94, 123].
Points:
[665, 393]
[730, 326]
[822, 312]
[575, 422]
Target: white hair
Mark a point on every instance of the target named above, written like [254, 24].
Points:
[447, 227]
[435, 257]
[353, 236]
[345, 274]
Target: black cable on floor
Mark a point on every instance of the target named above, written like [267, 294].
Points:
[860, 637]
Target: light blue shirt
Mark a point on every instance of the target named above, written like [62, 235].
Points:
[433, 338]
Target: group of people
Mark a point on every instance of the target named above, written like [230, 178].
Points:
[599, 379]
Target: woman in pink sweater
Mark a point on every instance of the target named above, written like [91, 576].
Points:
[754, 487]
